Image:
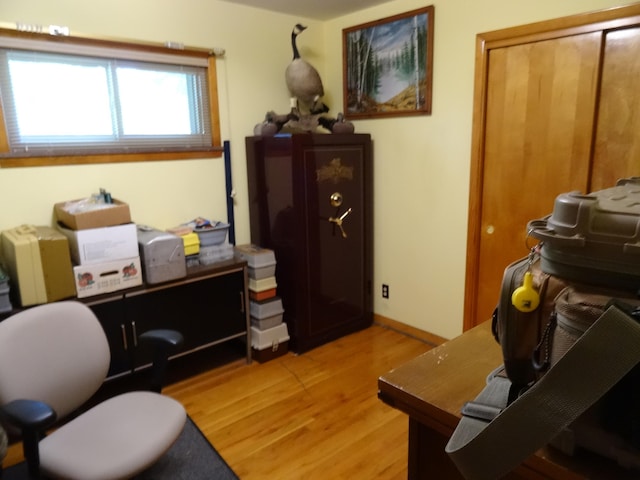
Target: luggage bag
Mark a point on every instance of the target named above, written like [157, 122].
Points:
[571, 363]
[39, 264]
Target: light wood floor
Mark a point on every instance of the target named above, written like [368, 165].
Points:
[308, 416]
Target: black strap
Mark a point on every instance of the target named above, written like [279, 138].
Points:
[606, 352]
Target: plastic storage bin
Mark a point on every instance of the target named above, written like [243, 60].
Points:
[216, 253]
[267, 313]
[256, 257]
[212, 235]
[262, 284]
[269, 344]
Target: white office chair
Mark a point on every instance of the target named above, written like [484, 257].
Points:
[53, 358]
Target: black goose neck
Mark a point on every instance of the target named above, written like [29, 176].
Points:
[294, 47]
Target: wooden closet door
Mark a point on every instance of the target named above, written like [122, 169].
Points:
[617, 145]
[540, 102]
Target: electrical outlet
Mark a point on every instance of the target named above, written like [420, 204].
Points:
[385, 291]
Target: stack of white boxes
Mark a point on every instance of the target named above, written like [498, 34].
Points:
[104, 248]
[269, 335]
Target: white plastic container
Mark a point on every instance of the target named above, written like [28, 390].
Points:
[256, 257]
[262, 272]
[215, 253]
[267, 313]
[262, 284]
[269, 344]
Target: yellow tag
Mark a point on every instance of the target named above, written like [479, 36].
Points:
[525, 298]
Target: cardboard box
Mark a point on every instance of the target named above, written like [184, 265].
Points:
[107, 277]
[116, 213]
[99, 245]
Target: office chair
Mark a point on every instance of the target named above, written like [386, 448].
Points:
[53, 358]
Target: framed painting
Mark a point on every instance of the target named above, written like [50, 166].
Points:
[388, 66]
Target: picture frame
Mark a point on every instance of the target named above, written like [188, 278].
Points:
[388, 66]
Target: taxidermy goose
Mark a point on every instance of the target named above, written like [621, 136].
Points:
[303, 80]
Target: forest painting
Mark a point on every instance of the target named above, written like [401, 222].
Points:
[388, 66]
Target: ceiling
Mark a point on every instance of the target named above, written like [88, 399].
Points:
[314, 9]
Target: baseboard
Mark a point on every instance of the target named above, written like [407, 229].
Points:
[408, 330]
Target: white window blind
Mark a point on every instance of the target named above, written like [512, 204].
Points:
[68, 98]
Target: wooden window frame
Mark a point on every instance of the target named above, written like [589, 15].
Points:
[215, 150]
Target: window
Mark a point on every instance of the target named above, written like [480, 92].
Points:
[69, 100]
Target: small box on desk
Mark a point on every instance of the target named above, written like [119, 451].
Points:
[99, 245]
[102, 215]
[269, 344]
[99, 278]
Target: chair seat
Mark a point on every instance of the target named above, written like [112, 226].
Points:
[85, 449]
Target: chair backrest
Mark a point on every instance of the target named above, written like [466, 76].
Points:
[57, 353]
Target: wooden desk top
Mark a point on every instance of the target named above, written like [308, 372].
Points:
[433, 387]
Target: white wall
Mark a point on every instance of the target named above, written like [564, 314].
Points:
[421, 163]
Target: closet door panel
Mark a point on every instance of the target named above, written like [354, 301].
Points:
[617, 144]
[538, 128]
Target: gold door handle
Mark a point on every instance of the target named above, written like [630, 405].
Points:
[338, 222]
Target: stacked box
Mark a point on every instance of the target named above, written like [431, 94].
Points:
[267, 313]
[261, 264]
[215, 253]
[270, 343]
[269, 335]
[104, 248]
[81, 214]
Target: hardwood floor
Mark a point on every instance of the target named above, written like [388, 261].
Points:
[308, 416]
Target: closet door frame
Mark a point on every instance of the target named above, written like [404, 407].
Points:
[599, 21]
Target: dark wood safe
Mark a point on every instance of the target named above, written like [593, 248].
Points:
[310, 200]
